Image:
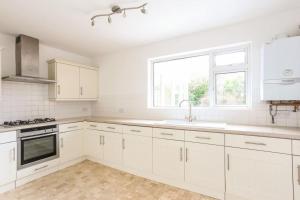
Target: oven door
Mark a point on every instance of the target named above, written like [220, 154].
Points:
[37, 149]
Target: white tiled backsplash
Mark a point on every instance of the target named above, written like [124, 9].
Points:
[28, 100]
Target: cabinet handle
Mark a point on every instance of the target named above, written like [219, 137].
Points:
[181, 156]
[136, 131]
[81, 91]
[298, 174]
[103, 140]
[109, 127]
[61, 143]
[93, 126]
[256, 143]
[73, 127]
[123, 143]
[37, 169]
[228, 162]
[168, 134]
[203, 138]
[186, 154]
[100, 140]
[58, 89]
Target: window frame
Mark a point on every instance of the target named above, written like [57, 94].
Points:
[214, 70]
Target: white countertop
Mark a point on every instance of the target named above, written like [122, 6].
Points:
[265, 131]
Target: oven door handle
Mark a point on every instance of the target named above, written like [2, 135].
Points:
[38, 136]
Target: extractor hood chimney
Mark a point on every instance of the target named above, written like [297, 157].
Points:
[27, 61]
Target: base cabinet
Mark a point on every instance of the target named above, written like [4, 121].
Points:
[168, 159]
[296, 172]
[257, 175]
[8, 160]
[112, 147]
[204, 168]
[93, 144]
[71, 146]
[137, 153]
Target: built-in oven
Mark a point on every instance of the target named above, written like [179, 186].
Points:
[37, 145]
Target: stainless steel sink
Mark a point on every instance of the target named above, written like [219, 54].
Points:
[200, 124]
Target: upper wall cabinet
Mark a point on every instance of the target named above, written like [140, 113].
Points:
[73, 81]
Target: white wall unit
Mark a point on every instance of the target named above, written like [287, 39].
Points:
[71, 145]
[73, 81]
[168, 159]
[257, 175]
[137, 153]
[8, 160]
[204, 168]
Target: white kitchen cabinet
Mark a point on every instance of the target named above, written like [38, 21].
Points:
[93, 144]
[168, 159]
[88, 83]
[73, 81]
[112, 147]
[71, 145]
[137, 153]
[296, 172]
[8, 160]
[258, 175]
[204, 168]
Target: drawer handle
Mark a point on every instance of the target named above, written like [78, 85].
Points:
[109, 127]
[37, 169]
[203, 138]
[256, 143]
[136, 131]
[93, 125]
[168, 134]
[73, 127]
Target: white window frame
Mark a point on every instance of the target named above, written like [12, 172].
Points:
[214, 70]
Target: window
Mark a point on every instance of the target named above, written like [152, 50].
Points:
[211, 78]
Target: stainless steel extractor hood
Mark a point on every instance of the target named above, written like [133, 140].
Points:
[27, 62]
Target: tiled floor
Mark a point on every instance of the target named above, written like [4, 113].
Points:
[92, 181]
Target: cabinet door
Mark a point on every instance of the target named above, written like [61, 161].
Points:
[93, 144]
[67, 81]
[257, 175]
[8, 166]
[71, 145]
[204, 168]
[137, 153]
[113, 148]
[296, 168]
[88, 83]
[168, 159]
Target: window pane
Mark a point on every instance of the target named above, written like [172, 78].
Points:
[230, 58]
[230, 89]
[180, 79]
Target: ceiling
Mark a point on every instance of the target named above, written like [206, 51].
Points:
[66, 23]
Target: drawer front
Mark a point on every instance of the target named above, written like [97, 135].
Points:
[112, 128]
[70, 127]
[137, 130]
[296, 147]
[6, 137]
[259, 143]
[37, 168]
[171, 134]
[94, 126]
[204, 137]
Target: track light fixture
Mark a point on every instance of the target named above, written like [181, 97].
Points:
[118, 10]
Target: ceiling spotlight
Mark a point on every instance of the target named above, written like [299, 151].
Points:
[118, 10]
[143, 10]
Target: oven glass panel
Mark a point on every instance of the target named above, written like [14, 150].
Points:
[38, 148]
